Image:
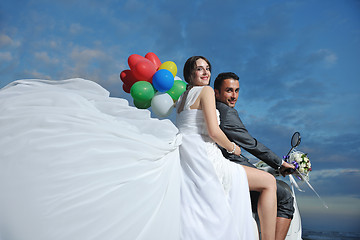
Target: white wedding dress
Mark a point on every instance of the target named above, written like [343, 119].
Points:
[215, 201]
[76, 164]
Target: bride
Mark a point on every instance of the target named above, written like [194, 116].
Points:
[215, 194]
[78, 164]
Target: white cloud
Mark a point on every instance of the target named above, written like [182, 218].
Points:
[5, 56]
[113, 78]
[331, 173]
[36, 74]
[90, 63]
[87, 54]
[324, 55]
[328, 56]
[5, 41]
[44, 57]
[76, 28]
[53, 44]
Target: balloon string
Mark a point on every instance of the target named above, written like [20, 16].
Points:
[311, 187]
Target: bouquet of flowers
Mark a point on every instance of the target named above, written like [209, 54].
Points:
[302, 169]
[301, 162]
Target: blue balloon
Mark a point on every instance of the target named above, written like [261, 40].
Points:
[163, 80]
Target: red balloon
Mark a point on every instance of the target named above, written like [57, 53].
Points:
[126, 88]
[128, 77]
[134, 59]
[154, 59]
[144, 70]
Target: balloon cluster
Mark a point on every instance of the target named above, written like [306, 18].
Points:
[152, 83]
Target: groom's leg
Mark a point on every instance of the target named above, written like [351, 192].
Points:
[285, 205]
[282, 227]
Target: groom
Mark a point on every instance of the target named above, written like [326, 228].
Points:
[226, 92]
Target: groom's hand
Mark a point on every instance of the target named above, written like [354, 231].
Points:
[286, 169]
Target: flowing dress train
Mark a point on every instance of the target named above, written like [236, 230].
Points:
[76, 164]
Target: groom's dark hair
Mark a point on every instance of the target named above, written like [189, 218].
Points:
[222, 76]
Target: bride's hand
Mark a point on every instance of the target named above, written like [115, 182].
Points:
[237, 150]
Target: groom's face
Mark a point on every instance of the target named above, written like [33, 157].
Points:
[229, 92]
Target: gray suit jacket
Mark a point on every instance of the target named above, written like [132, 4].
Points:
[235, 130]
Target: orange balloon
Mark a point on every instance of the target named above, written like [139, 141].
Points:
[134, 59]
[144, 70]
[154, 59]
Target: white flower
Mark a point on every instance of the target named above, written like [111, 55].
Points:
[304, 165]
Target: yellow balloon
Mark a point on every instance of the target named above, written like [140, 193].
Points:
[169, 65]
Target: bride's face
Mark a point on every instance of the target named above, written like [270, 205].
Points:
[202, 73]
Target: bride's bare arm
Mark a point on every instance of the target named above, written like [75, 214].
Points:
[208, 106]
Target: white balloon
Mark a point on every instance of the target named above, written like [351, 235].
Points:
[162, 104]
[177, 78]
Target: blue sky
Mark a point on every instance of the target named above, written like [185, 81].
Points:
[298, 63]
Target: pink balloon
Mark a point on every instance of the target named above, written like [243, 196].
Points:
[144, 70]
[134, 59]
[154, 59]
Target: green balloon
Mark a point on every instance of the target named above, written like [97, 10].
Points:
[177, 89]
[142, 91]
[142, 105]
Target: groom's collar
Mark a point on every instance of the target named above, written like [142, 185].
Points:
[219, 102]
